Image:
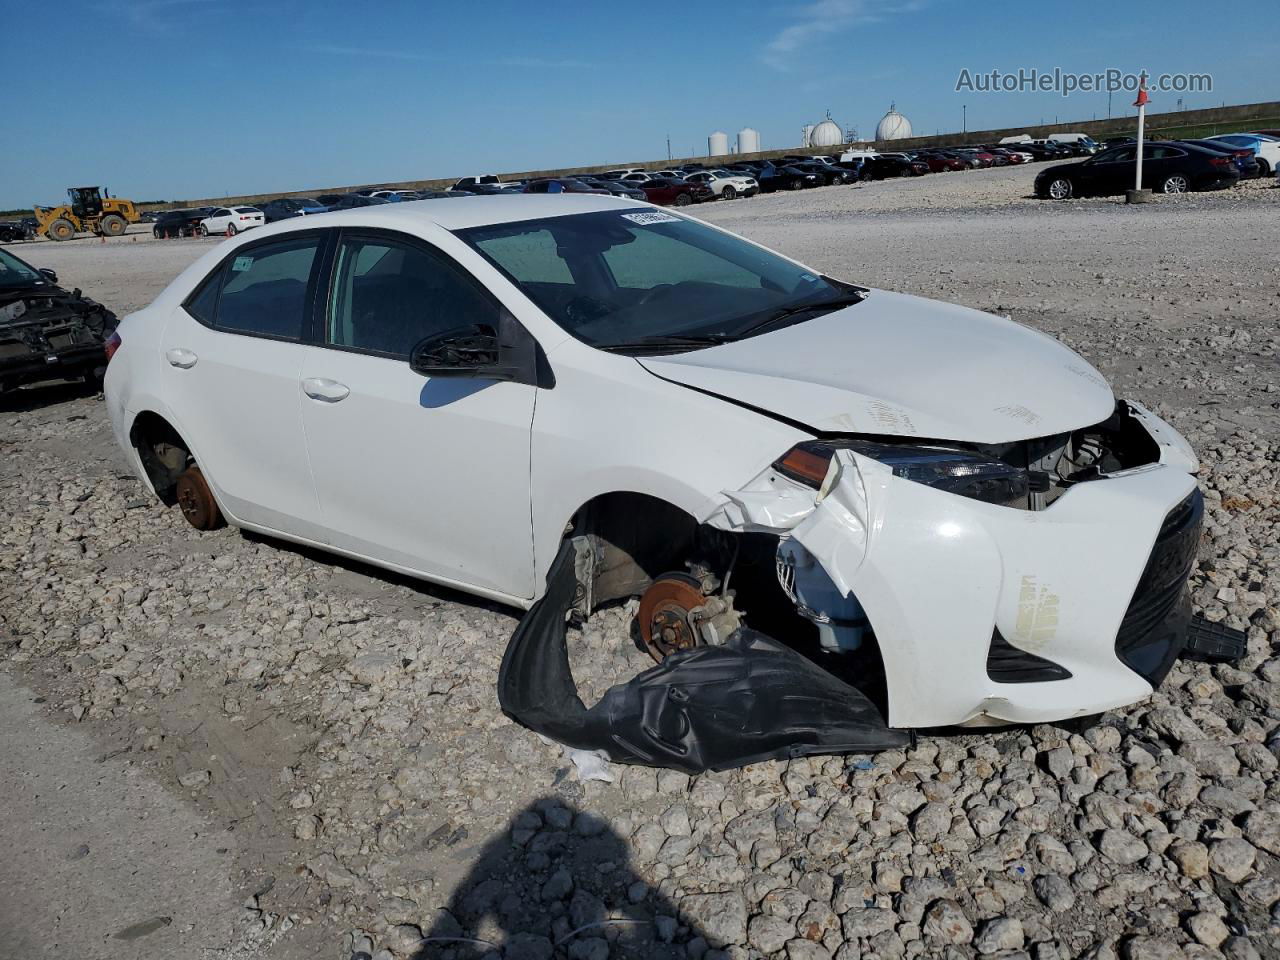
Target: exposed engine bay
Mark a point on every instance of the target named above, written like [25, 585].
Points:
[50, 333]
[864, 586]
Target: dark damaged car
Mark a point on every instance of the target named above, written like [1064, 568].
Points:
[845, 513]
[46, 332]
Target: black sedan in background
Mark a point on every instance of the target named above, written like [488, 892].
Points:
[561, 185]
[1245, 159]
[616, 188]
[772, 177]
[885, 165]
[179, 223]
[286, 208]
[828, 173]
[1166, 168]
[352, 200]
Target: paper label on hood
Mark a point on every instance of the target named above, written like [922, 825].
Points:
[656, 216]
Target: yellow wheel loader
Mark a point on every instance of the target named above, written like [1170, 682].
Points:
[87, 211]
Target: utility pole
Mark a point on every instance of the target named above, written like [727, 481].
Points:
[1109, 104]
[964, 118]
[668, 146]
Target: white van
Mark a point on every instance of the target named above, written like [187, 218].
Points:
[1083, 138]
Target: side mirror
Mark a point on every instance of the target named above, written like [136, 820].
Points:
[48, 275]
[460, 352]
[481, 352]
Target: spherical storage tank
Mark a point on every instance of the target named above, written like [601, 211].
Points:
[893, 126]
[826, 134]
[718, 144]
[748, 140]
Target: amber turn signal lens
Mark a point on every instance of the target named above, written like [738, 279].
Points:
[805, 464]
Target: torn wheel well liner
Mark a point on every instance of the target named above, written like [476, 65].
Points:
[706, 708]
[637, 537]
[163, 452]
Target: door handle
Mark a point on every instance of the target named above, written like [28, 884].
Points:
[181, 357]
[330, 391]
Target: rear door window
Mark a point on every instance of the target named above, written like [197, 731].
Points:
[264, 290]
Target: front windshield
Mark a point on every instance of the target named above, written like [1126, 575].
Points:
[617, 277]
[15, 273]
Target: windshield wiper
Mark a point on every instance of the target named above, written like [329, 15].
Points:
[665, 342]
[786, 313]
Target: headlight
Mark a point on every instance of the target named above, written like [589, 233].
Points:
[961, 472]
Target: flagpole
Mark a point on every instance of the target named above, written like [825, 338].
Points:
[1142, 123]
[1137, 194]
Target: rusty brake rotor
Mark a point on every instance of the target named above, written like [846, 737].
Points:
[196, 500]
[664, 614]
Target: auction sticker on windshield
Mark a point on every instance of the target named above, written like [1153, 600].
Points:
[241, 264]
[656, 216]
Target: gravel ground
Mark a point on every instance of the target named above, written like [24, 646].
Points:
[339, 725]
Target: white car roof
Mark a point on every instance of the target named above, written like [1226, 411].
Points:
[458, 214]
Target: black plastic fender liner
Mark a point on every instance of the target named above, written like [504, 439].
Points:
[706, 708]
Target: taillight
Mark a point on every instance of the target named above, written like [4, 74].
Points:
[1221, 161]
[111, 345]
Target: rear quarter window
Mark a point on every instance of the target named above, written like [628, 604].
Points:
[203, 304]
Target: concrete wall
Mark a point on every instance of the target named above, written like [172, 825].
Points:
[1238, 117]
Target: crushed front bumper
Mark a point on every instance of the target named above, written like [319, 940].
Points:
[1095, 585]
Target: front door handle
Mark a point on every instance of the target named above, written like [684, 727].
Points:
[181, 357]
[330, 391]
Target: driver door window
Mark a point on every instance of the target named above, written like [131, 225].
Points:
[387, 295]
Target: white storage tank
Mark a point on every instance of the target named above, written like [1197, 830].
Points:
[748, 140]
[826, 134]
[805, 133]
[893, 125]
[718, 144]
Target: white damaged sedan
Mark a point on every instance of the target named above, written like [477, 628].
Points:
[846, 513]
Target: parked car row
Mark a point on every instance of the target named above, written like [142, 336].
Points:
[1172, 166]
[1168, 166]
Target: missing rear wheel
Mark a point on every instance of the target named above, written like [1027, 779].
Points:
[196, 500]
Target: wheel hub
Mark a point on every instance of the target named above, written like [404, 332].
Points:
[663, 616]
[196, 501]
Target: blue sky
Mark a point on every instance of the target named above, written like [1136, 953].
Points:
[213, 97]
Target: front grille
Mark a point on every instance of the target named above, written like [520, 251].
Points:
[1154, 627]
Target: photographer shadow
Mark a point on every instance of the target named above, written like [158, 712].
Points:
[556, 883]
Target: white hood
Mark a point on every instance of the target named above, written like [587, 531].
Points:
[904, 366]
